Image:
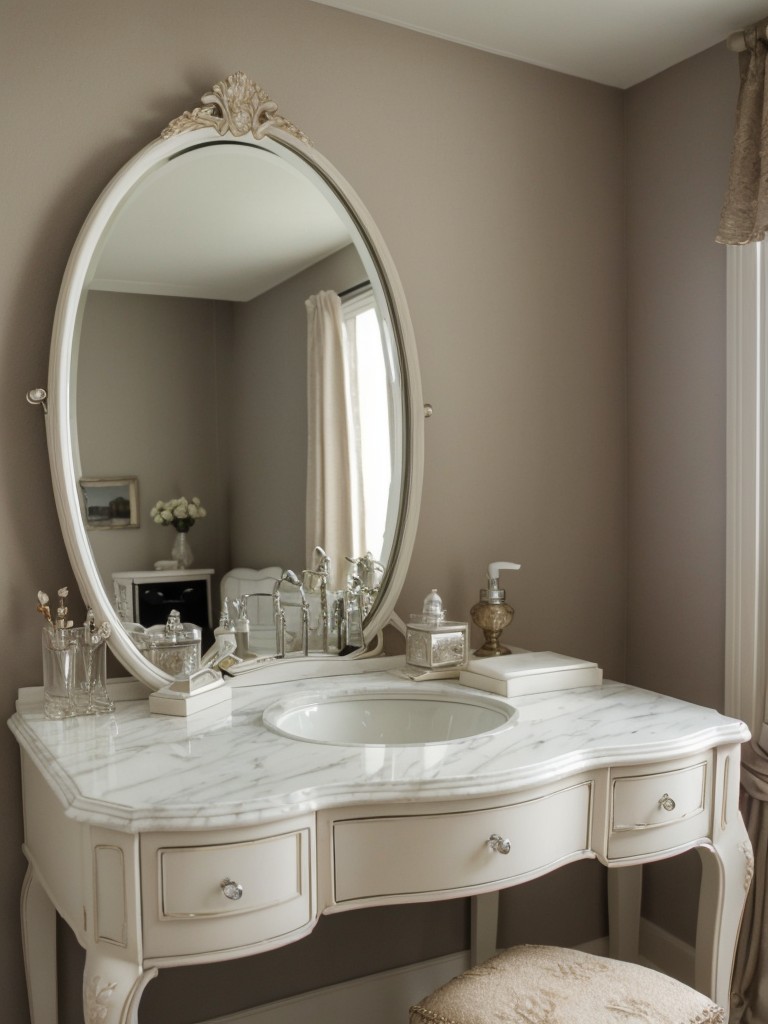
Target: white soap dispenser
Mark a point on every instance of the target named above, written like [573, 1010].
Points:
[492, 613]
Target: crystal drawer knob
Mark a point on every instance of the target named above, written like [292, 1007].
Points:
[232, 890]
[667, 803]
[498, 844]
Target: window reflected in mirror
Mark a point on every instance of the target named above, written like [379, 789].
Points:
[361, 323]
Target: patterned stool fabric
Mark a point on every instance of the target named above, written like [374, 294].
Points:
[550, 985]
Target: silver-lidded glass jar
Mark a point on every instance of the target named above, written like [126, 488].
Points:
[174, 648]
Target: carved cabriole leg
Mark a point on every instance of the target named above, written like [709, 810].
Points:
[38, 939]
[726, 875]
[727, 868]
[112, 989]
[114, 978]
[625, 890]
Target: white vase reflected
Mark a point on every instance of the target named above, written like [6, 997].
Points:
[181, 551]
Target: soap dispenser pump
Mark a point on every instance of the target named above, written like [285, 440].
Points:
[491, 613]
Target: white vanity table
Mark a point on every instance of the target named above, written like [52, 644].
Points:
[140, 829]
[167, 841]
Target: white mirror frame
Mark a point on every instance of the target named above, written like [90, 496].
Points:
[235, 107]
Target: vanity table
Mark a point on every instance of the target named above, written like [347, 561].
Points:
[165, 841]
[168, 841]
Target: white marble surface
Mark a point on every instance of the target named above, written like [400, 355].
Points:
[135, 771]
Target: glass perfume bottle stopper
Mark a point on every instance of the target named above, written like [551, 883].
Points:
[432, 609]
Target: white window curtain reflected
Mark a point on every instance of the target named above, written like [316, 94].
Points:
[335, 494]
[349, 466]
[364, 339]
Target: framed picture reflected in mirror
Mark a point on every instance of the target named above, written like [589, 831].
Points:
[110, 503]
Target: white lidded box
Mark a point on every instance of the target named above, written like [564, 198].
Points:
[202, 689]
[530, 672]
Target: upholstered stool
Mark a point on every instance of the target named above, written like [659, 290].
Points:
[550, 985]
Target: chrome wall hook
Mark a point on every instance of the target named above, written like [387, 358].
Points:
[38, 396]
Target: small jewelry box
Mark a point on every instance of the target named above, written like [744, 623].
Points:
[433, 644]
[436, 647]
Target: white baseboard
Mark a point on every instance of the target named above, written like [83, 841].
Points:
[385, 997]
[376, 999]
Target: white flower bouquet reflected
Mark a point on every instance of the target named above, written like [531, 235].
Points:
[181, 513]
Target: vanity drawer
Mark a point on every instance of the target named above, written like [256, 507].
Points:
[658, 810]
[186, 908]
[408, 855]
[267, 870]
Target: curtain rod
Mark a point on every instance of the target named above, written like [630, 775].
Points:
[354, 288]
[737, 41]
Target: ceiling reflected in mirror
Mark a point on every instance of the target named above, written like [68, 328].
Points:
[223, 221]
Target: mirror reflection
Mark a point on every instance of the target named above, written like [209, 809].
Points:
[234, 357]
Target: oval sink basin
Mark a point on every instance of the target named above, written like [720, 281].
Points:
[386, 717]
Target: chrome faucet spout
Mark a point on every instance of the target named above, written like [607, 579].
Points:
[291, 578]
[314, 579]
[279, 616]
[354, 613]
[323, 565]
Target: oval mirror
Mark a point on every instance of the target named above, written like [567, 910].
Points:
[232, 351]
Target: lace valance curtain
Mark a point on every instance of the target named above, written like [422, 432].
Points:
[745, 212]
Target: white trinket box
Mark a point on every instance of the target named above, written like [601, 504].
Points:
[437, 647]
[530, 672]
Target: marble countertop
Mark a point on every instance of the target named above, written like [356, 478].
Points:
[223, 767]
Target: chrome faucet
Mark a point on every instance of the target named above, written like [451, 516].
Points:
[366, 577]
[354, 613]
[368, 570]
[317, 579]
[323, 566]
[289, 577]
[313, 579]
[242, 622]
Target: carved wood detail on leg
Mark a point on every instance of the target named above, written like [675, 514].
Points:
[112, 989]
[727, 869]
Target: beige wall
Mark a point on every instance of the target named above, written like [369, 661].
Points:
[205, 388]
[499, 188]
[679, 127]
[159, 423]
